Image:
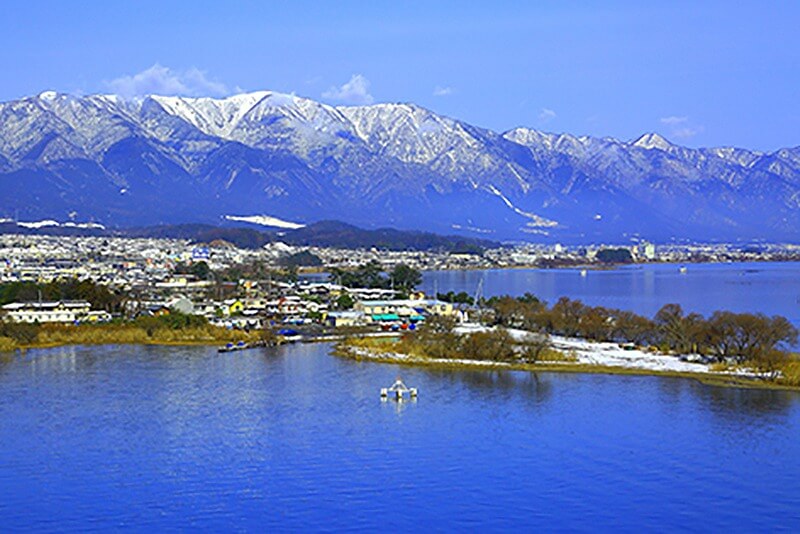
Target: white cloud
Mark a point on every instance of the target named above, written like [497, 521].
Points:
[546, 115]
[680, 127]
[162, 80]
[673, 120]
[356, 91]
[442, 91]
[685, 133]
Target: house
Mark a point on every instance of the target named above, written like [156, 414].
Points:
[337, 319]
[403, 309]
[240, 323]
[66, 311]
[232, 307]
[207, 309]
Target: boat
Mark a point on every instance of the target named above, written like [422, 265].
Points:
[241, 345]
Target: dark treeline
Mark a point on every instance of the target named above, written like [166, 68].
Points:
[303, 258]
[724, 336]
[321, 234]
[99, 296]
[456, 298]
[370, 275]
[614, 255]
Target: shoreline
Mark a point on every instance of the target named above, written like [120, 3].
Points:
[613, 266]
[354, 353]
[708, 378]
[55, 345]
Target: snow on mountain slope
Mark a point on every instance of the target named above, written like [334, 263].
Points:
[218, 117]
[298, 159]
[265, 220]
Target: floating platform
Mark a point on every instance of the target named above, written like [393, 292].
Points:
[398, 391]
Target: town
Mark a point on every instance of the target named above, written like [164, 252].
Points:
[280, 285]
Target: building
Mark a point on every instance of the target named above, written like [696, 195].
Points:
[338, 319]
[66, 311]
[403, 309]
[649, 251]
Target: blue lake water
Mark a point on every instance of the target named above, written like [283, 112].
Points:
[771, 288]
[170, 438]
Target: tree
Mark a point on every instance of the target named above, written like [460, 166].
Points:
[674, 330]
[369, 275]
[566, 316]
[614, 255]
[456, 298]
[404, 278]
[200, 269]
[495, 345]
[748, 337]
[436, 338]
[303, 258]
[99, 296]
[533, 347]
[771, 362]
[344, 302]
[629, 326]
[508, 311]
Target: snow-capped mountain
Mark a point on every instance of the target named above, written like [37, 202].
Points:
[270, 156]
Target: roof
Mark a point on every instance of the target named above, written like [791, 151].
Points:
[345, 314]
[47, 305]
[403, 302]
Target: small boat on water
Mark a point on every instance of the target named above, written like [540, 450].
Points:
[241, 345]
[231, 347]
[683, 269]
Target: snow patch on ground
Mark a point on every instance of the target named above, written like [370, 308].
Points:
[536, 220]
[612, 355]
[265, 220]
[605, 354]
[47, 223]
[471, 229]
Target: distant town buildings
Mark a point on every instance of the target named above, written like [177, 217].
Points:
[157, 277]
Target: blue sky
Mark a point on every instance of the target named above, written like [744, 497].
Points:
[700, 73]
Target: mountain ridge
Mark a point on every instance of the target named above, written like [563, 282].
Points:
[161, 159]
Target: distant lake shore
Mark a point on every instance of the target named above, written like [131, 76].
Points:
[772, 288]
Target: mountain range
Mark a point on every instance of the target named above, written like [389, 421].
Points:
[280, 159]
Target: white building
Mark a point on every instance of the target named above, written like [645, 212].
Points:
[66, 311]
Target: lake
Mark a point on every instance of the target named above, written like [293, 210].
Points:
[771, 288]
[293, 439]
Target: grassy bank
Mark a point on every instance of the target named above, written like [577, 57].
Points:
[125, 333]
[384, 351]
